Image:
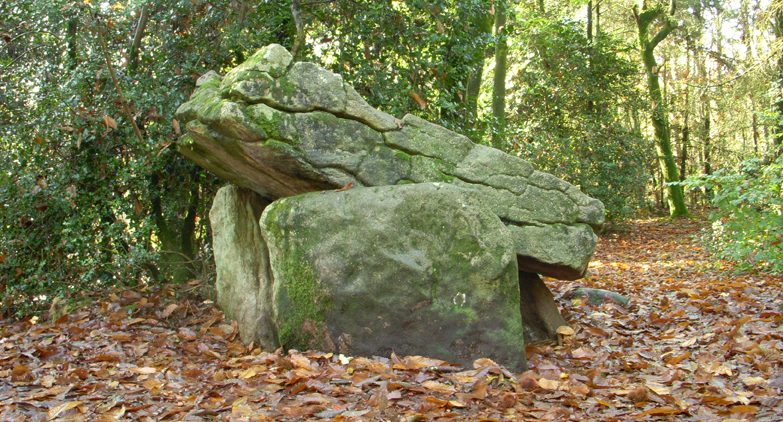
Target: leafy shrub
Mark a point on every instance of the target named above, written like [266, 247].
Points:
[747, 218]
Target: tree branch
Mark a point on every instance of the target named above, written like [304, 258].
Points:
[300, 35]
[668, 27]
[133, 60]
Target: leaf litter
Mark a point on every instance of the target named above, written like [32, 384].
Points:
[697, 343]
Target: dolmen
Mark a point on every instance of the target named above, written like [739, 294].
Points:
[345, 229]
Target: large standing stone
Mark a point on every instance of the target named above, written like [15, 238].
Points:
[414, 269]
[243, 282]
[281, 128]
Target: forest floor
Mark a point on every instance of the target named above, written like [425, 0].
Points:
[697, 343]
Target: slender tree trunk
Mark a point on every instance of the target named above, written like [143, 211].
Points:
[73, 45]
[590, 104]
[499, 85]
[777, 133]
[299, 41]
[686, 132]
[590, 21]
[135, 48]
[707, 151]
[598, 19]
[660, 119]
[484, 24]
[541, 8]
[755, 124]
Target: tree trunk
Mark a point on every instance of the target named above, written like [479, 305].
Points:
[299, 41]
[499, 85]
[590, 21]
[707, 151]
[135, 48]
[755, 124]
[597, 19]
[685, 141]
[73, 33]
[473, 88]
[777, 133]
[660, 119]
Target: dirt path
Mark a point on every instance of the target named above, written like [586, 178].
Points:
[696, 344]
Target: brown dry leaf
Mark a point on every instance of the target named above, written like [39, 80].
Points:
[754, 381]
[507, 400]
[49, 392]
[299, 361]
[527, 381]
[414, 363]
[660, 411]
[548, 384]
[153, 385]
[439, 387]
[20, 372]
[64, 407]
[169, 310]
[186, 334]
[744, 408]
[144, 370]
[252, 372]
[674, 360]
[638, 395]
[109, 122]
[583, 353]
[578, 388]
[106, 357]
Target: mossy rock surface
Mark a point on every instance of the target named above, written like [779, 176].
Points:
[415, 269]
[282, 128]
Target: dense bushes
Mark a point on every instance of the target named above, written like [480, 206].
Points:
[85, 202]
[747, 214]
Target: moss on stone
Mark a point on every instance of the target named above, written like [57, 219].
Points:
[402, 156]
[299, 298]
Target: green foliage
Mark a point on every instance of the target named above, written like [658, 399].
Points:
[567, 111]
[408, 56]
[748, 214]
[86, 203]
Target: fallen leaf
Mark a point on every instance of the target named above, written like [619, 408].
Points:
[145, 370]
[743, 408]
[753, 381]
[64, 407]
[659, 411]
[169, 310]
[548, 384]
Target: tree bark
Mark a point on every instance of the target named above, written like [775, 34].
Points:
[73, 33]
[484, 24]
[299, 41]
[777, 133]
[660, 119]
[135, 48]
[499, 85]
[686, 131]
[597, 19]
[590, 21]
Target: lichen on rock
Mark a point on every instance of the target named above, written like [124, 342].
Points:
[337, 138]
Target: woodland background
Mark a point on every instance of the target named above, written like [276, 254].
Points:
[654, 108]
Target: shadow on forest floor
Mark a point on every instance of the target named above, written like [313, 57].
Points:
[696, 343]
